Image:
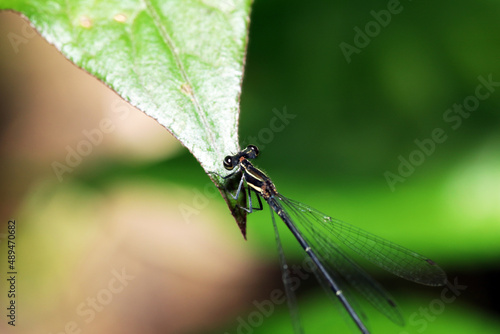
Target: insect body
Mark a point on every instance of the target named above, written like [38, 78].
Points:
[328, 241]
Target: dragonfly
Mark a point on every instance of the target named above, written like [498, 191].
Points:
[330, 244]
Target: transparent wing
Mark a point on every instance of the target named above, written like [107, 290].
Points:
[349, 274]
[394, 258]
[341, 282]
[290, 294]
[331, 238]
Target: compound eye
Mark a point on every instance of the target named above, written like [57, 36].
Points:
[254, 149]
[228, 163]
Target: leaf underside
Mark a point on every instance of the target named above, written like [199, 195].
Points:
[180, 62]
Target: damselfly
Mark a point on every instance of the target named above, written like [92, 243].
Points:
[327, 241]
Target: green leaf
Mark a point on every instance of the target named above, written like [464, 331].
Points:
[181, 62]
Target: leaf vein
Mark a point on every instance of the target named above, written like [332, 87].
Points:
[170, 43]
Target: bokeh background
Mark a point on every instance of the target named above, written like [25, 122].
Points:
[135, 238]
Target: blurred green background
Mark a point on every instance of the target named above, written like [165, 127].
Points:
[139, 201]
